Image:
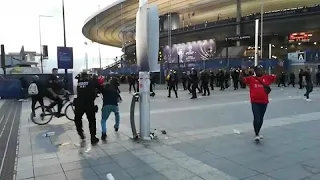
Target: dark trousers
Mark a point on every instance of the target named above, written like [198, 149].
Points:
[36, 99]
[193, 90]
[56, 101]
[24, 93]
[184, 84]
[132, 86]
[292, 83]
[189, 87]
[172, 87]
[309, 89]
[282, 82]
[258, 110]
[221, 85]
[211, 86]
[300, 84]
[226, 83]
[89, 110]
[206, 90]
[236, 84]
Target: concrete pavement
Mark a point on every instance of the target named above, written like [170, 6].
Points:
[208, 138]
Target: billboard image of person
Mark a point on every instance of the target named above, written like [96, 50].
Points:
[190, 51]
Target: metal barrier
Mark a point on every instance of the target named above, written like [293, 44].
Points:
[135, 98]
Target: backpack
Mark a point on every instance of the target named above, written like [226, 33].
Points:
[33, 89]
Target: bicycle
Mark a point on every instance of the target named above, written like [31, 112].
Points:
[46, 111]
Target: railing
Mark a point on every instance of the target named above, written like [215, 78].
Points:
[251, 17]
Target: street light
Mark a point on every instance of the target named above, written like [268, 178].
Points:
[261, 36]
[40, 38]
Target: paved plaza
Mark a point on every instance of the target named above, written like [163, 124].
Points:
[208, 138]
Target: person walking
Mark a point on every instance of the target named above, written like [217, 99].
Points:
[111, 97]
[308, 83]
[259, 85]
[36, 91]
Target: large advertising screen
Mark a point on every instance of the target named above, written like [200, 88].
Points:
[190, 51]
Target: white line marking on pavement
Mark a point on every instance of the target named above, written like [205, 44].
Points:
[7, 144]
[268, 123]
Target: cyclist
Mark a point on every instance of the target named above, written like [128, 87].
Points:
[55, 88]
[84, 104]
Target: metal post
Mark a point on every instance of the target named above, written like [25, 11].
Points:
[99, 45]
[144, 102]
[270, 57]
[64, 43]
[238, 30]
[86, 56]
[261, 35]
[256, 43]
[40, 39]
[270, 51]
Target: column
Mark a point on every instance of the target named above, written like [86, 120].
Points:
[238, 28]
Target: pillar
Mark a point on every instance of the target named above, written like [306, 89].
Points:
[239, 14]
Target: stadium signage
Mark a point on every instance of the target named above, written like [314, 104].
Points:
[237, 38]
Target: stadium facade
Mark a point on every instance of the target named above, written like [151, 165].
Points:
[213, 33]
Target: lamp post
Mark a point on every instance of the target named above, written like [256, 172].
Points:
[40, 40]
[64, 42]
[261, 35]
[86, 56]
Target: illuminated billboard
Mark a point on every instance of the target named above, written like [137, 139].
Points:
[190, 51]
[300, 37]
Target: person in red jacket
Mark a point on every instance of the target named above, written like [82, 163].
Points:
[259, 85]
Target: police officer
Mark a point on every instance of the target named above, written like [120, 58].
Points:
[84, 104]
[194, 83]
[172, 84]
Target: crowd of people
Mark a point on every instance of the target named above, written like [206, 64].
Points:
[89, 86]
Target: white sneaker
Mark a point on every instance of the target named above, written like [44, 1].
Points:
[260, 137]
[308, 100]
[20, 100]
[257, 139]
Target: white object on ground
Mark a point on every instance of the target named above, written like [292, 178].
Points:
[236, 131]
[110, 177]
[48, 134]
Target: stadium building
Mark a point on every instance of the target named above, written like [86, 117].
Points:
[214, 33]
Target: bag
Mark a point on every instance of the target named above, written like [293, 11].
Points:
[267, 89]
[33, 89]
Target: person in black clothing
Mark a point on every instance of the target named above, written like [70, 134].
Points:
[308, 83]
[318, 78]
[226, 78]
[205, 83]
[221, 80]
[55, 88]
[132, 81]
[115, 84]
[172, 84]
[235, 75]
[184, 79]
[282, 79]
[37, 97]
[212, 78]
[194, 83]
[189, 82]
[175, 74]
[110, 104]
[301, 78]
[292, 78]
[152, 85]
[24, 89]
[84, 104]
